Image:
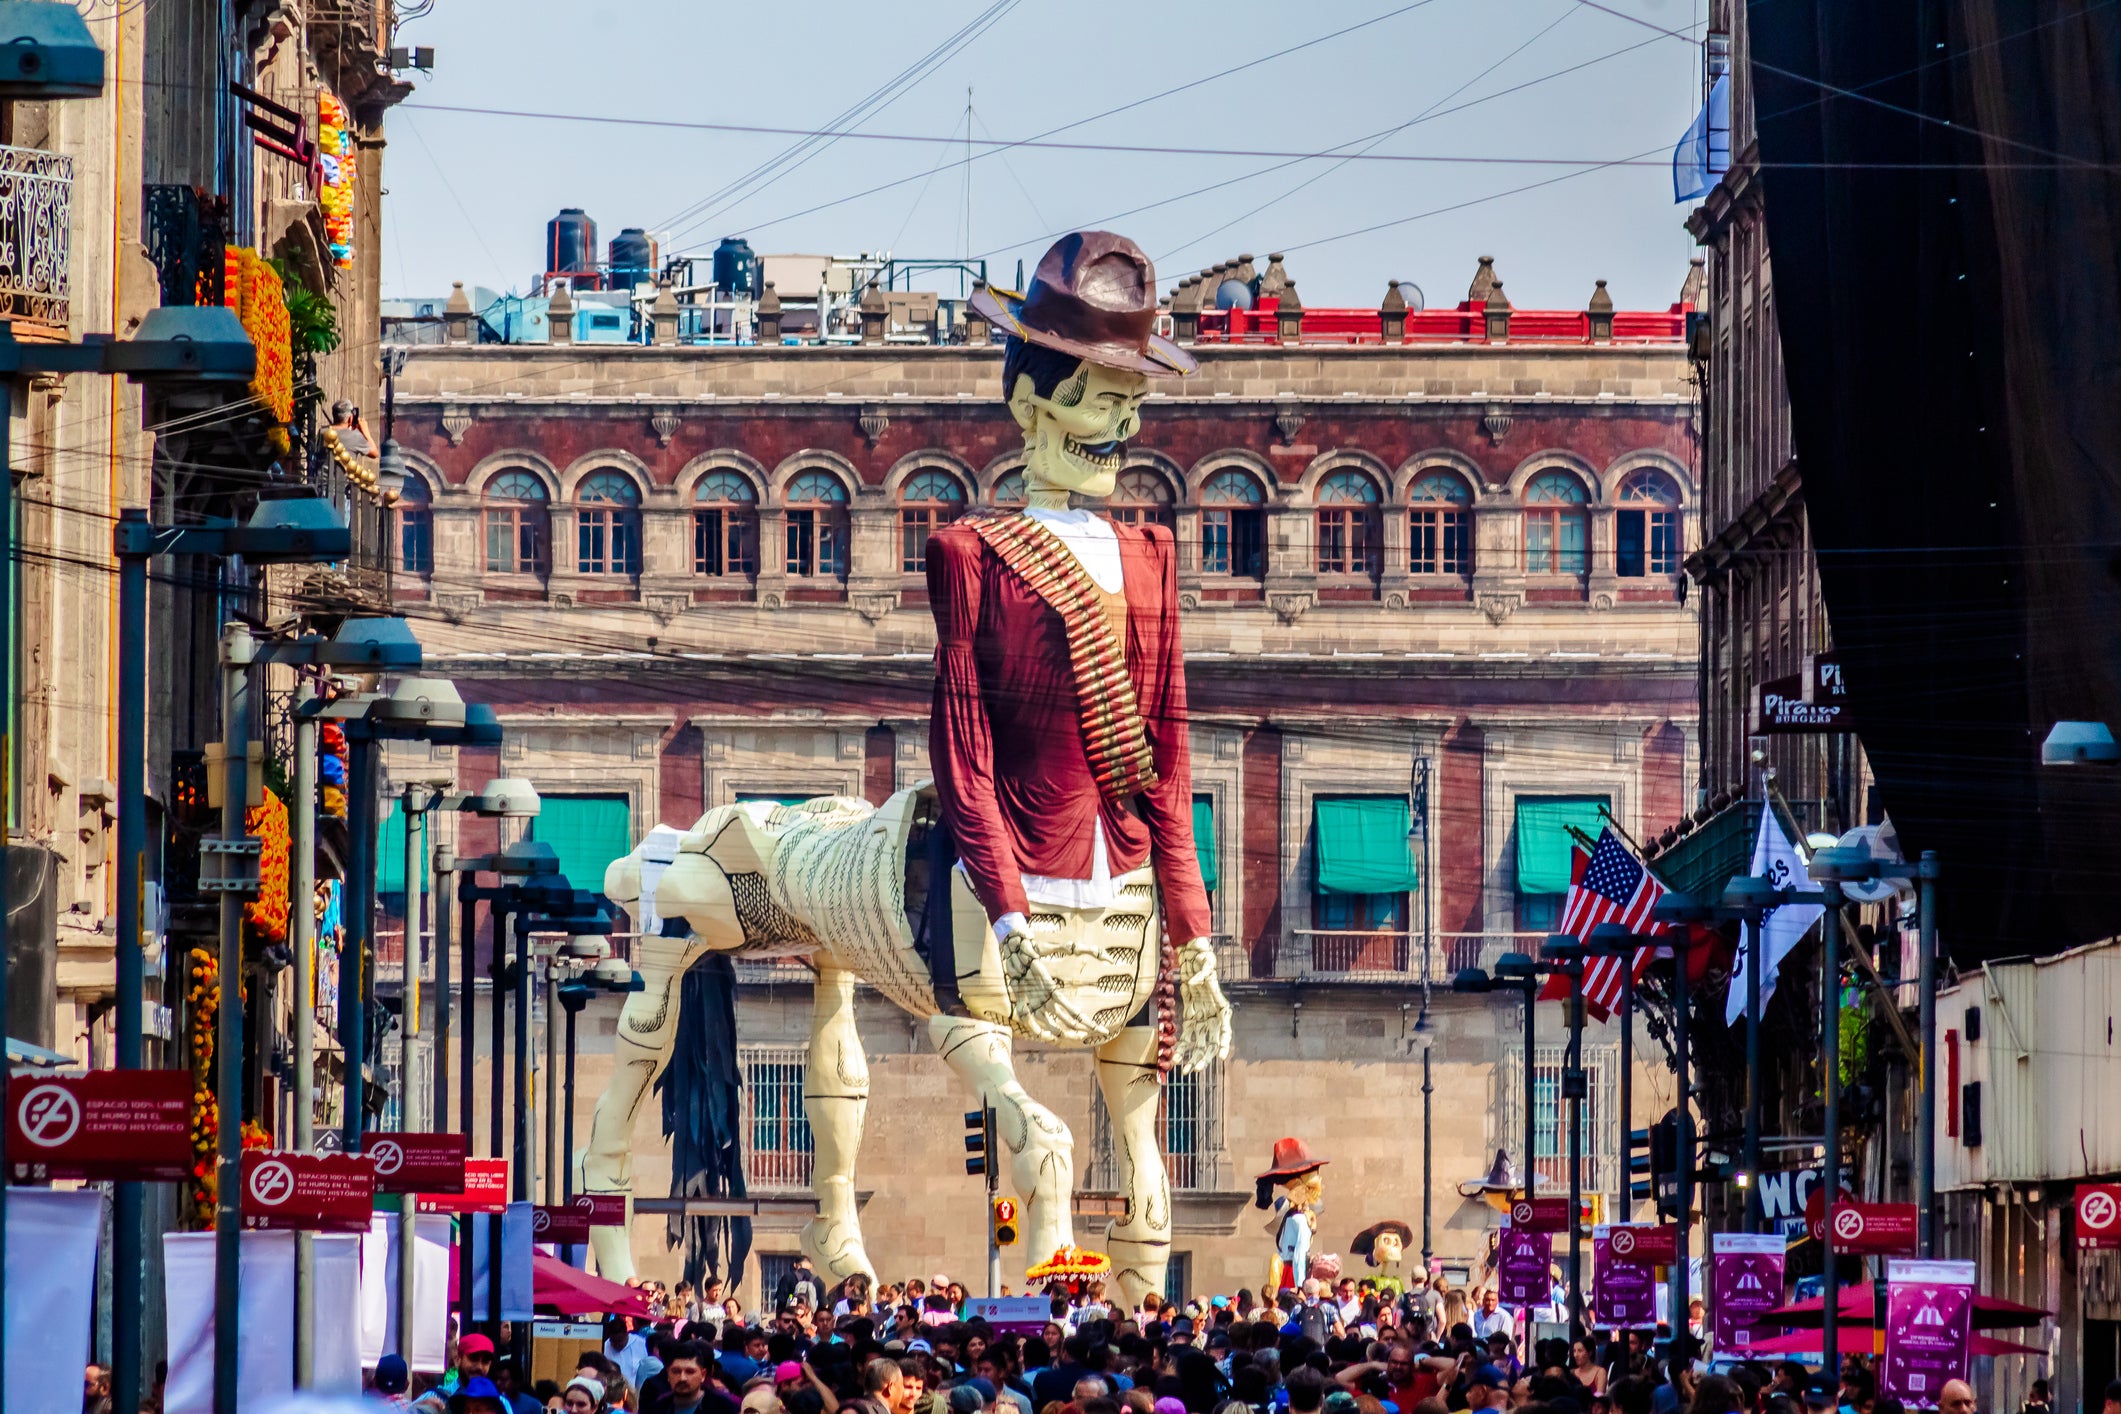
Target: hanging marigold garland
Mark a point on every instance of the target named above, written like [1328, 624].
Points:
[335, 148]
[266, 915]
[255, 291]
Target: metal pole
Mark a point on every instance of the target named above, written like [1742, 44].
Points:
[1531, 1154]
[467, 943]
[1755, 1095]
[358, 905]
[1428, 1192]
[497, 1076]
[521, 1188]
[1926, 1103]
[552, 1071]
[408, 1094]
[236, 649]
[445, 861]
[7, 806]
[302, 925]
[1682, 1286]
[128, 1238]
[1624, 1209]
[1830, 1081]
[1578, 1079]
[567, 1168]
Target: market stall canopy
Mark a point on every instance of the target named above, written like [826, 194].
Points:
[1859, 1306]
[1806, 1343]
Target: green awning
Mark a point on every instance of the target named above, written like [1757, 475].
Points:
[744, 796]
[1204, 839]
[390, 852]
[587, 832]
[1544, 841]
[1361, 845]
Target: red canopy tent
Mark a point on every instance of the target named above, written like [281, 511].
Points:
[1859, 1308]
[558, 1287]
[1807, 1343]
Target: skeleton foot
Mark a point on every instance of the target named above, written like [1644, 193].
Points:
[1140, 1242]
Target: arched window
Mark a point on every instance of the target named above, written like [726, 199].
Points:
[928, 501]
[1233, 530]
[416, 527]
[1557, 528]
[725, 525]
[1350, 525]
[1440, 526]
[1646, 527]
[1142, 497]
[607, 524]
[518, 525]
[1010, 490]
[817, 525]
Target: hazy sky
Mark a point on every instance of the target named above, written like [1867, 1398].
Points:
[469, 193]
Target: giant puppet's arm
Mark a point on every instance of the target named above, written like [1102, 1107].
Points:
[1204, 1013]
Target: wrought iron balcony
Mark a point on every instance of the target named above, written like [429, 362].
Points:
[36, 242]
[187, 232]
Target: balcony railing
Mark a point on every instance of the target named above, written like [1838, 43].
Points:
[187, 239]
[36, 245]
[1368, 958]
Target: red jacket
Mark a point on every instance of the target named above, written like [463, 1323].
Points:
[1006, 743]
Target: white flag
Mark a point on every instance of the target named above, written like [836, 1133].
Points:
[1775, 859]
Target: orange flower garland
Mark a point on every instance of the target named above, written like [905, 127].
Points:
[254, 290]
[204, 997]
[267, 913]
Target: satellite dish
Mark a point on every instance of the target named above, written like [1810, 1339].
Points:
[1411, 293]
[1879, 844]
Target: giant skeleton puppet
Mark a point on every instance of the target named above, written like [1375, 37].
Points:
[1060, 818]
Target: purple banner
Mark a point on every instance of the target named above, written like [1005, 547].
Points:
[1929, 1315]
[1625, 1284]
[1524, 1262]
[1745, 1281]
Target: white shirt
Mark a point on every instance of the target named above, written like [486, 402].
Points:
[1487, 1323]
[628, 1357]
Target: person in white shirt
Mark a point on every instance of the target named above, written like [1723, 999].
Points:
[624, 1348]
[1491, 1318]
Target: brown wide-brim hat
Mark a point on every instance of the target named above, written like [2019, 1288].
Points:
[1365, 1242]
[1094, 296]
[1291, 1157]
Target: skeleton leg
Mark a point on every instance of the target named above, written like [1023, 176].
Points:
[1044, 1169]
[1140, 1242]
[835, 1098]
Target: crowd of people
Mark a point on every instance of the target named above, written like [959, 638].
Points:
[1349, 1348]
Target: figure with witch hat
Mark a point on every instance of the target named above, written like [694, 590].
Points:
[1295, 1171]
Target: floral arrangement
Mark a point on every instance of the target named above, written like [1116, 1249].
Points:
[267, 913]
[335, 146]
[1070, 1264]
[204, 996]
[331, 769]
[253, 289]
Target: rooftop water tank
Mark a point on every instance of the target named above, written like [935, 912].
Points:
[632, 258]
[736, 269]
[571, 242]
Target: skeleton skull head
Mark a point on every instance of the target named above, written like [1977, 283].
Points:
[1387, 1249]
[1075, 439]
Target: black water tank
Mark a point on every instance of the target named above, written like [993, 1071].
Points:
[571, 241]
[736, 269]
[632, 258]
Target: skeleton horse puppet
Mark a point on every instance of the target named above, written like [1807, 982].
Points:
[1044, 883]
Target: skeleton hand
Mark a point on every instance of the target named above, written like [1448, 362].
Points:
[1203, 1010]
[1036, 1005]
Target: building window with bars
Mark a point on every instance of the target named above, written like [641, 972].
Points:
[777, 1143]
[416, 527]
[1551, 1115]
[607, 524]
[725, 526]
[1557, 525]
[518, 524]
[1440, 525]
[1233, 529]
[1646, 527]
[1141, 497]
[928, 501]
[1189, 1129]
[817, 526]
[1350, 525]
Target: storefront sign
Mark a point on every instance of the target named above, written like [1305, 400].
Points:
[1886, 1229]
[604, 1209]
[1625, 1277]
[1011, 1315]
[286, 1188]
[558, 1223]
[485, 1190]
[2099, 1215]
[120, 1125]
[1524, 1259]
[417, 1163]
[1815, 700]
[1928, 1318]
[1540, 1214]
[1745, 1282]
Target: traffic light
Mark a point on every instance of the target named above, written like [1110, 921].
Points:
[1640, 1185]
[1004, 1212]
[979, 1144]
[1653, 1164]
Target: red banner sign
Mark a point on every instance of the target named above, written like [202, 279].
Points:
[285, 1188]
[417, 1163]
[1879, 1228]
[604, 1209]
[120, 1125]
[485, 1190]
[2099, 1214]
[558, 1223]
[1644, 1242]
[1540, 1214]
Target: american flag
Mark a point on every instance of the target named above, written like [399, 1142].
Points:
[1609, 885]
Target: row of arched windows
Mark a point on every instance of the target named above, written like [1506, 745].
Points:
[1232, 507]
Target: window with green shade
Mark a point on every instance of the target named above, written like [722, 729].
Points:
[747, 795]
[1544, 841]
[1204, 840]
[1360, 845]
[587, 832]
[390, 852]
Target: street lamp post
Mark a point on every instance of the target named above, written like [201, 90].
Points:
[573, 995]
[1567, 956]
[1614, 940]
[1514, 972]
[1680, 910]
[1926, 873]
[1830, 868]
[1751, 899]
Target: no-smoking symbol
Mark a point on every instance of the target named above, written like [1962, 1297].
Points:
[1848, 1224]
[2098, 1210]
[272, 1183]
[1520, 1213]
[50, 1115]
[389, 1157]
[1623, 1242]
[540, 1220]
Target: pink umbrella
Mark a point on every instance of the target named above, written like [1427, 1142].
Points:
[1858, 1307]
[572, 1292]
[1807, 1343]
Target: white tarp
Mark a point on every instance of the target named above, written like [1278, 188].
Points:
[515, 1263]
[51, 1294]
[266, 1312]
[379, 1291]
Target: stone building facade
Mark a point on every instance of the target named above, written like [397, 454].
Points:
[1431, 591]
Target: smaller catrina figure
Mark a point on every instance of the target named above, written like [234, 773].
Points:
[1295, 1210]
[1384, 1245]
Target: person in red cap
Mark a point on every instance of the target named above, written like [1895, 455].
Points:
[1296, 1172]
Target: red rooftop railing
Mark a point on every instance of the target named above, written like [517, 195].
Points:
[1466, 323]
